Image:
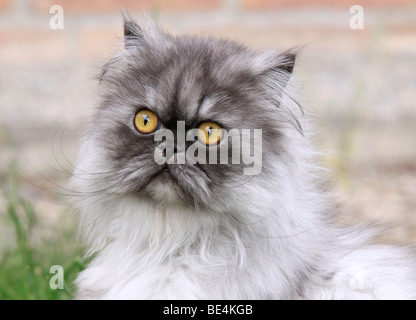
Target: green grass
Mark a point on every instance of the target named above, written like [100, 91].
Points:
[27, 255]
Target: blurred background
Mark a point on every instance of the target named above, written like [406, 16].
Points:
[359, 84]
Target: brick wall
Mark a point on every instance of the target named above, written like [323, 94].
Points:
[106, 6]
[79, 6]
[276, 4]
[92, 23]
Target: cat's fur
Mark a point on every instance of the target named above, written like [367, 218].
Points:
[215, 233]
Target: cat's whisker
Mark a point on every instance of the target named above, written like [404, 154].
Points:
[46, 189]
[53, 149]
[48, 163]
[103, 193]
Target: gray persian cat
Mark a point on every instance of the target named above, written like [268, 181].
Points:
[204, 230]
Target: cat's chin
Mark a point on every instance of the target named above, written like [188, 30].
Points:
[164, 189]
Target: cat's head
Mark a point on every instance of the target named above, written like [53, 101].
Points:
[163, 83]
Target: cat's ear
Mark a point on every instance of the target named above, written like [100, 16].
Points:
[286, 60]
[281, 67]
[133, 33]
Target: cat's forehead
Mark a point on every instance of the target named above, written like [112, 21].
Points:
[192, 76]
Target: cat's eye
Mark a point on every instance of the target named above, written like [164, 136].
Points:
[210, 133]
[146, 121]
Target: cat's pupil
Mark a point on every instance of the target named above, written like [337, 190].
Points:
[146, 120]
[209, 131]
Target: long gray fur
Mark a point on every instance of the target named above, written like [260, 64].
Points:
[211, 232]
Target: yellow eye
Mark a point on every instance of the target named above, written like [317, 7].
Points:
[210, 133]
[146, 121]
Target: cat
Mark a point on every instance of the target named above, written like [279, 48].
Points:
[208, 230]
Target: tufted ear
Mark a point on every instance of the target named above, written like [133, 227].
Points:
[283, 66]
[133, 34]
[286, 60]
[276, 70]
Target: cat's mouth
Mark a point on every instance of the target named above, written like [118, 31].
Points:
[173, 183]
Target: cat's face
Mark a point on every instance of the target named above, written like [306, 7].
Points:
[194, 81]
